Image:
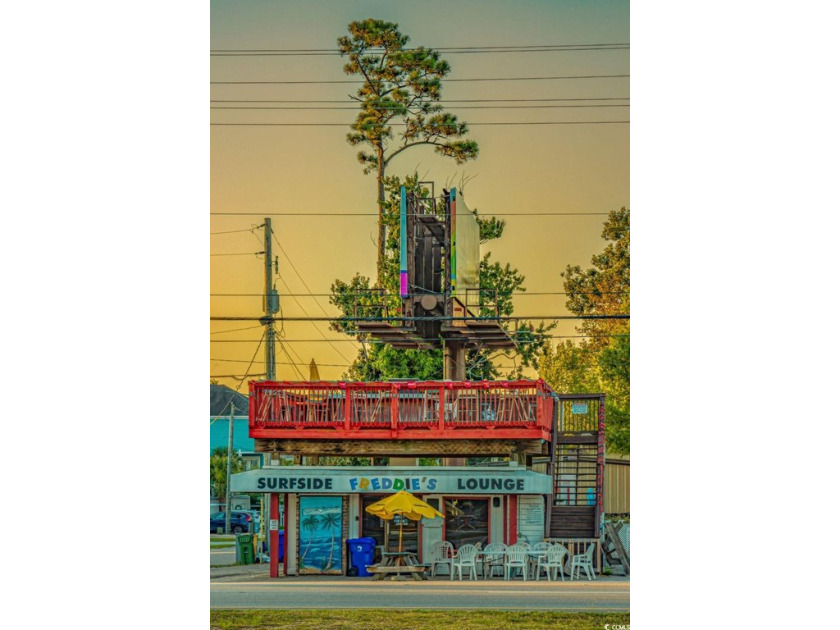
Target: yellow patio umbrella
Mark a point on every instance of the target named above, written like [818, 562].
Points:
[403, 504]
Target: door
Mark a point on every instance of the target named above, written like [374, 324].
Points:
[320, 535]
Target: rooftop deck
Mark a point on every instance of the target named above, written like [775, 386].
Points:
[429, 410]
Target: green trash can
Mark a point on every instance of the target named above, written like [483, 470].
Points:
[245, 549]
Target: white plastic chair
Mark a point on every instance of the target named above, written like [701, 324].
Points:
[494, 556]
[464, 558]
[442, 552]
[516, 557]
[538, 548]
[553, 559]
[583, 561]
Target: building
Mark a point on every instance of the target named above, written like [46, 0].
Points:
[221, 400]
[550, 487]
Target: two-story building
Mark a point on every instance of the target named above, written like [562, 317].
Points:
[551, 485]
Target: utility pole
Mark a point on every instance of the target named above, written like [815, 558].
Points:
[227, 477]
[271, 305]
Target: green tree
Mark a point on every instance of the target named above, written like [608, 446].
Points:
[601, 363]
[218, 470]
[400, 86]
[359, 297]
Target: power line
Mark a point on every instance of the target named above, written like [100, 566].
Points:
[221, 332]
[438, 48]
[239, 254]
[242, 380]
[448, 52]
[374, 214]
[281, 334]
[434, 339]
[283, 251]
[447, 101]
[579, 363]
[515, 295]
[325, 109]
[236, 376]
[342, 318]
[231, 232]
[312, 320]
[281, 363]
[286, 352]
[467, 80]
[512, 48]
[472, 124]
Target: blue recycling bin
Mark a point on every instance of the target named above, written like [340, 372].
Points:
[360, 552]
[282, 543]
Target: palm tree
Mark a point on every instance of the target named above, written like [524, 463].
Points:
[331, 519]
[310, 524]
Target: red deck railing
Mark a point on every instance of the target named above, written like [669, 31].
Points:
[401, 410]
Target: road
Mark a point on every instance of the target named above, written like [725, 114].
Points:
[223, 555]
[602, 595]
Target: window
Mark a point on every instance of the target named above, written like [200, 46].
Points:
[467, 521]
[372, 526]
[375, 527]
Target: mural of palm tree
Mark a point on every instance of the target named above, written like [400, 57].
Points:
[311, 523]
[331, 519]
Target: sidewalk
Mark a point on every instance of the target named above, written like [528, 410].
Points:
[259, 573]
[240, 572]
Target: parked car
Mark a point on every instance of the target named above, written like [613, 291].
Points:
[255, 520]
[239, 522]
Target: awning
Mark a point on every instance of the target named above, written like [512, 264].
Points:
[386, 479]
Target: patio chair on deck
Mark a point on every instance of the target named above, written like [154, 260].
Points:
[583, 561]
[516, 557]
[442, 553]
[464, 558]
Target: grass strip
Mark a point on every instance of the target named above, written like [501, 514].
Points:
[398, 619]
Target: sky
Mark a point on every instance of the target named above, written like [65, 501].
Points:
[108, 178]
[259, 170]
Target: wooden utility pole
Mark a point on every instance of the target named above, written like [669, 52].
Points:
[271, 305]
[227, 476]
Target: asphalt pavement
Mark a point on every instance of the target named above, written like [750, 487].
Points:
[249, 586]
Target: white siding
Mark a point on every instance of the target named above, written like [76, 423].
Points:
[291, 534]
[497, 521]
[355, 529]
[432, 527]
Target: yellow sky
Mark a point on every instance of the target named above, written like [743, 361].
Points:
[305, 169]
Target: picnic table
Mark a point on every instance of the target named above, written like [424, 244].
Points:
[398, 563]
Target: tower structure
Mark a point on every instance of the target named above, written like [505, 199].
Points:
[441, 304]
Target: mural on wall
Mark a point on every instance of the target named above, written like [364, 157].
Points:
[320, 535]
